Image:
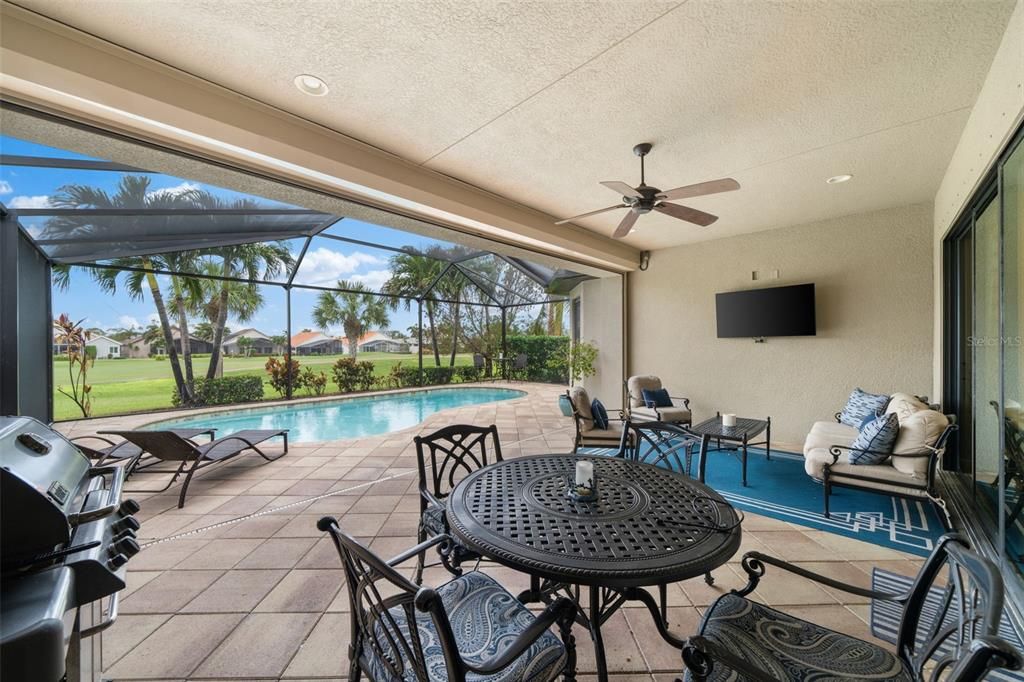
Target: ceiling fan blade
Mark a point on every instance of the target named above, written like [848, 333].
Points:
[587, 215]
[700, 189]
[622, 188]
[690, 215]
[626, 225]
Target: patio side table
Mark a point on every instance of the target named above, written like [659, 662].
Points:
[648, 527]
[740, 434]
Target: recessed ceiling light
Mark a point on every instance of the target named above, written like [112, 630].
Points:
[311, 85]
[836, 179]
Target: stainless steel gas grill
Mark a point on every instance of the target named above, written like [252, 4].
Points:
[65, 537]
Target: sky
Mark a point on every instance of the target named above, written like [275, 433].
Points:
[325, 262]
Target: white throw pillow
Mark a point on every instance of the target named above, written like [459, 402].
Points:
[904, 405]
[919, 429]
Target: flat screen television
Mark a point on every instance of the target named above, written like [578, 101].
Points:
[778, 311]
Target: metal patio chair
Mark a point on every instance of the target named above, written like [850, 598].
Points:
[957, 642]
[471, 626]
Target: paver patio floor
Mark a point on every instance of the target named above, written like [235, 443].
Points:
[214, 597]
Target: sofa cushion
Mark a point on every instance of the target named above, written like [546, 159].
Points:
[918, 430]
[874, 443]
[663, 414]
[859, 405]
[826, 434]
[581, 399]
[657, 397]
[904, 405]
[893, 481]
[638, 384]
[599, 413]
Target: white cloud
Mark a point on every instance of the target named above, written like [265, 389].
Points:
[5, 187]
[176, 189]
[129, 322]
[23, 201]
[374, 279]
[324, 266]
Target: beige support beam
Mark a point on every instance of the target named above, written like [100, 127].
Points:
[49, 66]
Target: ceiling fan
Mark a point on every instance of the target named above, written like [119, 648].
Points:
[644, 199]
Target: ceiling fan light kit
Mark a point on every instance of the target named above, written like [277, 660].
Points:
[644, 198]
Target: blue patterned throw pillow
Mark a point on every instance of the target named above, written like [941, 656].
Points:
[656, 398]
[879, 436]
[861, 404]
[599, 413]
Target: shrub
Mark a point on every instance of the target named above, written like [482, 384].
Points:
[435, 376]
[281, 373]
[315, 383]
[467, 373]
[402, 377]
[224, 391]
[352, 375]
[547, 357]
[159, 357]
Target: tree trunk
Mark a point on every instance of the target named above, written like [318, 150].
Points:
[222, 321]
[186, 340]
[353, 331]
[433, 334]
[455, 333]
[172, 355]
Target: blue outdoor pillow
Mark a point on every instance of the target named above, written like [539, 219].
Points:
[861, 404]
[878, 435]
[599, 413]
[656, 398]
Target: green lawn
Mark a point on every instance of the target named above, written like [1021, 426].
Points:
[138, 385]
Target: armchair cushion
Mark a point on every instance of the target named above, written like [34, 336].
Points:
[891, 480]
[787, 648]
[877, 436]
[485, 620]
[581, 399]
[918, 431]
[600, 414]
[904, 405]
[433, 520]
[860, 404]
[825, 434]
[672, 414]
[658, 397]
[638, 384]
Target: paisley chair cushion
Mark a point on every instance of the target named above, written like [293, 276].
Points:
[485, 620]
[434, 524]
[787, 648]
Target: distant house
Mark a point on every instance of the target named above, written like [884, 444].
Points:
[315, 343]
[136, 347]
[260, 343]
[140, 348]
[380, 342]
[105, 346]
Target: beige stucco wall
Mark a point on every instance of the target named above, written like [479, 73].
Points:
[995, 116]
[873, 279]
[601, 323]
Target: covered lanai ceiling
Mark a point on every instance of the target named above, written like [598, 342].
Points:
[539, 101]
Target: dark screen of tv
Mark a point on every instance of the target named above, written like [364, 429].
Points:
[779, 311]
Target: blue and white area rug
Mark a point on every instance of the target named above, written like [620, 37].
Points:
[885, 616]
[781, 489]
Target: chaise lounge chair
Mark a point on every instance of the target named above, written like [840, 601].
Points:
[125, 452]
[168, 446]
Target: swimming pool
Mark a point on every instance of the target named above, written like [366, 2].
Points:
[346, 417]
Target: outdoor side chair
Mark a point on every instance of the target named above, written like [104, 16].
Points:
[471, 626]
[520, 363]
[125, 453]
[956, 641]
[168, 446]
[587, 434]
[444, 457]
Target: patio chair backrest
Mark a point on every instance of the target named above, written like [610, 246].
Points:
[520, 362]
[579, 400]
[1012, 435]
[478, 361]
[447, 455]
[635, 387]
[165, 445]
[662, 444]
[381, 601]
[954, 624]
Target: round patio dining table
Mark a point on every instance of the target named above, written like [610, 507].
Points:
[648, 527]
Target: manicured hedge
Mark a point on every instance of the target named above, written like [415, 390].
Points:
[225, 391]
[544, 357]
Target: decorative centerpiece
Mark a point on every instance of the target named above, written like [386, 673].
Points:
[582, 487]
[728, 419]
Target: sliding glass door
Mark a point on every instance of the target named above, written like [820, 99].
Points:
[1012, 195]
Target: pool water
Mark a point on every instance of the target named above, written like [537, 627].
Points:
[346, 417]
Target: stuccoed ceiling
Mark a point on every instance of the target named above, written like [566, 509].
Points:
[539, 101]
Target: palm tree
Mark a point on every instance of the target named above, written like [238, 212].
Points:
[133, 191]
[451, 288]
[357, 309]
[411, 275]
[248, 261]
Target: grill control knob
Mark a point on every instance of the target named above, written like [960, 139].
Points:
[127, 546]
[129, 507]
[117, 561]
[127, 523]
